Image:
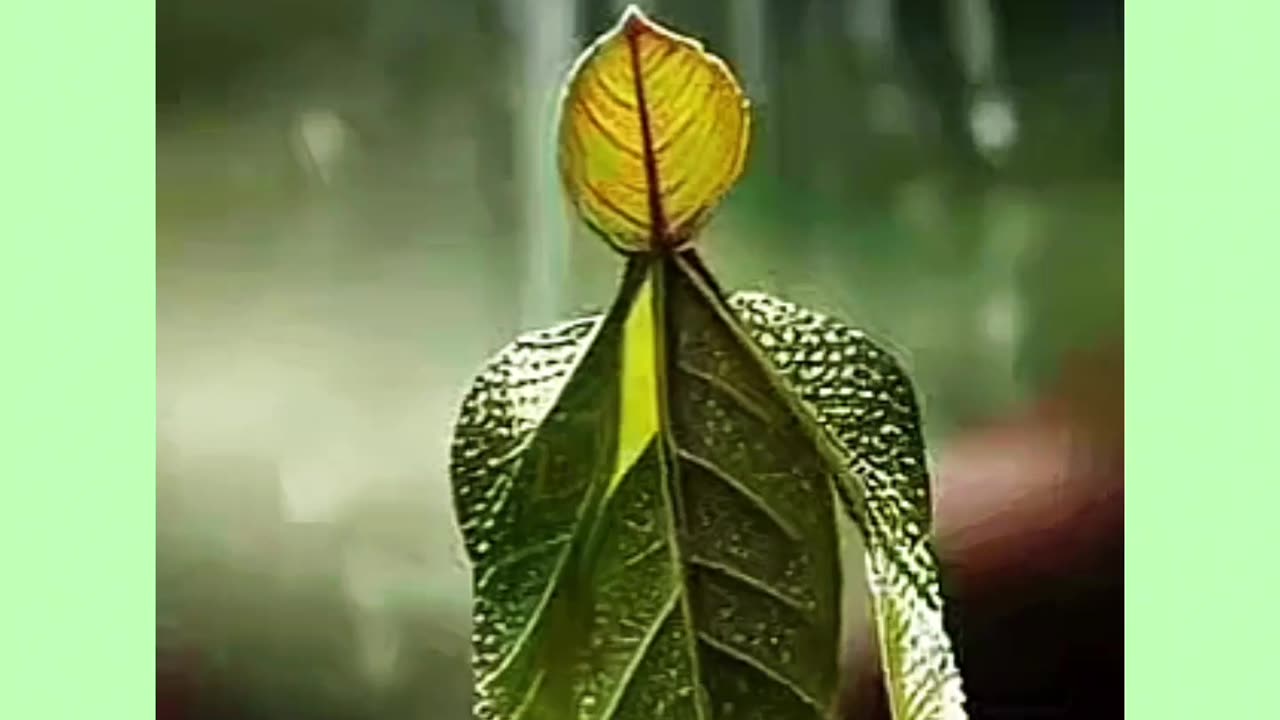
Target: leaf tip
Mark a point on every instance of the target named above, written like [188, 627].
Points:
[634, 21]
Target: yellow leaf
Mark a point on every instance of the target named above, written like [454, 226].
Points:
[653, 132]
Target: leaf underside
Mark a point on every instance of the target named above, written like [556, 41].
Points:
[689, 569]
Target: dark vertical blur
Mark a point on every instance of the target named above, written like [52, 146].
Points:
[357, 204]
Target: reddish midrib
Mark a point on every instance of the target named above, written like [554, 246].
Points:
[656, 216]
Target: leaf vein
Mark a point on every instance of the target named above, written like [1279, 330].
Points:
[590, 112]
[739, 397]
[764, 670]
[749, 580]
[629, 673]
[737, 485]
[521, 554]
[534, 618]
[604, 199]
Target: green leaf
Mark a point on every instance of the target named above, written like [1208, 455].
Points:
[680, 560]
[865, 403]
[653, 532]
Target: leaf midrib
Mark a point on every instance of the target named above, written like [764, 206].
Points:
[672, 450]
[687, 264]
[669, 467]
[826, 447]
[655, 266]
[643, 269]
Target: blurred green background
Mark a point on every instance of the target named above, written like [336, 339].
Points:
[357, 204]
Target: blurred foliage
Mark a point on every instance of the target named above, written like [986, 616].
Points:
[350, 211]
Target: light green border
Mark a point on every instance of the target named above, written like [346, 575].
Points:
[1202, 269]
[77, 398]
[77, 308]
